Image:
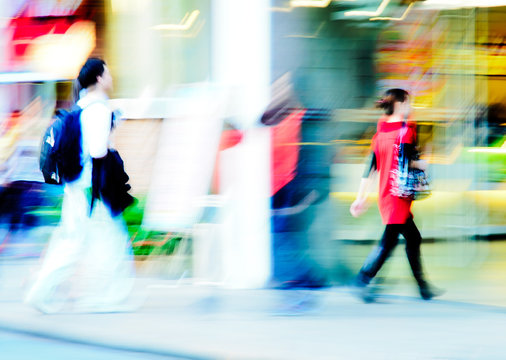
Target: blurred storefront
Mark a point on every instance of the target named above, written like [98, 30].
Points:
[339, 55]
[154, 45]
[343, 55]
[447, 54]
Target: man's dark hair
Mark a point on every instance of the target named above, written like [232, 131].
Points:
[90, 71]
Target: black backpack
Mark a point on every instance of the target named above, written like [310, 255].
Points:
[60, 153]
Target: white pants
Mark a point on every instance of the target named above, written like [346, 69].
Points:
[92, 251]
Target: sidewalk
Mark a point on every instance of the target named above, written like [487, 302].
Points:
[195, 322]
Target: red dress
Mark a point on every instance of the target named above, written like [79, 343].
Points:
[393, 210]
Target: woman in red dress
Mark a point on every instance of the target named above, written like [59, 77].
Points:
[395, 211]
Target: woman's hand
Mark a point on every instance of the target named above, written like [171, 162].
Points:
[419, 164]
[358, 207]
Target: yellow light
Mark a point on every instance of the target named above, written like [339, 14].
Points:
[310, 3]
[190, 34]
[313, 36]
[305, 3]
[186, 23]
[378, 11]
[406, 12]
[501, 150]
[63, 54]
[456, 4]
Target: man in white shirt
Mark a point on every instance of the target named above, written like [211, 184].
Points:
[96, 244]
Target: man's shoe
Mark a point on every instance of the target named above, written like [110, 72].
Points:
[427, 292]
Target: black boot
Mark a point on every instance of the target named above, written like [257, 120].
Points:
[427, 291]
[362, 290]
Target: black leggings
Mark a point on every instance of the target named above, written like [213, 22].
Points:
[388, 242]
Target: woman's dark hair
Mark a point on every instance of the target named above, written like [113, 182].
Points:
[391, 97]
[90, 71]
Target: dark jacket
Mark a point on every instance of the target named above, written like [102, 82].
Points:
[109, 183]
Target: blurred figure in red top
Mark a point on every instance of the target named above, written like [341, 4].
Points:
[395, 211]
[300, 187]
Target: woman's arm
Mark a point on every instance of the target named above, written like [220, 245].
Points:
[359, 206]
[418, 164]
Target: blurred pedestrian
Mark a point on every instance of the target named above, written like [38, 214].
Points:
[395, 211]
[91, 240]
[300, 188]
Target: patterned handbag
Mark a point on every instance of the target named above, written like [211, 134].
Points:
[407, 182]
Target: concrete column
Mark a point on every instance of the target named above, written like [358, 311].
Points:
[241, 67]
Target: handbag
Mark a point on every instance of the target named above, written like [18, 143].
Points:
[407, 182]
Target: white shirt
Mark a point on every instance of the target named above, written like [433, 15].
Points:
[95, 131]
[95, 125]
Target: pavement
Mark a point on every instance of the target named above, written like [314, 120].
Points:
[181, 320]
[16, 346]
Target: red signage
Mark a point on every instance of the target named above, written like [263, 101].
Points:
[41, 33]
